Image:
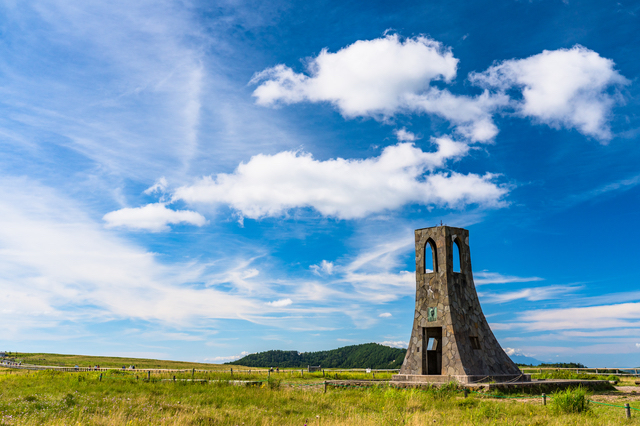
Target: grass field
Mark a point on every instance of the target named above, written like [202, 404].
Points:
[61, 360]
[55, 398]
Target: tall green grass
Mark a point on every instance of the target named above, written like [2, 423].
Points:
[572, 400]
[54, 398]
[571, 375]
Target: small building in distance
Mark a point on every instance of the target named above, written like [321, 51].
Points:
[451, 339]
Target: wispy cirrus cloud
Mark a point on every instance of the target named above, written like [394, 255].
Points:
[531, 294]
[97, 60]
[485, 277]
[616, 316]
[594, 317]
[223, 359]
[59, 255]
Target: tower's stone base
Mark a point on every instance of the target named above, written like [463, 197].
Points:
[462, 379]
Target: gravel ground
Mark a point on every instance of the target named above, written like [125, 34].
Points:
[623, 394]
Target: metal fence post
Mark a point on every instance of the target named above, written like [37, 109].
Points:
[100, 379]
[466, 392]
[544, 399]
[325, 386]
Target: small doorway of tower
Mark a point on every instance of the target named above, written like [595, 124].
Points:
[432, 350]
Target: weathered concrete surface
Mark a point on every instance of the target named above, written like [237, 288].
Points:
[468, 350]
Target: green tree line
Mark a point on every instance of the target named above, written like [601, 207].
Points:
[368, 355]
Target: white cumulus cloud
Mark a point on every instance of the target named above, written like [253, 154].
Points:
[385, 315]
[323, 268]
[512, 351]
[153, 217]
[471, 115]
[562, 88]
[280, 303]
[269, 185]
[404, 135]
[367, 77]
[380, 78]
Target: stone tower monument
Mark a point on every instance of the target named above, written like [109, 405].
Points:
[451, 339]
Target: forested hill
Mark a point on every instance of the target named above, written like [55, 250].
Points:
[369, 355]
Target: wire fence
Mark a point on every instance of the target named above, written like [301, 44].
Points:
[265, 371]
[217, 376]
[618, 371]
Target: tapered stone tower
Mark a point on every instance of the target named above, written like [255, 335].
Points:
[451, 339]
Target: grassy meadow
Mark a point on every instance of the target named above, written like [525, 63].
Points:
[62, 360]
[56, 398]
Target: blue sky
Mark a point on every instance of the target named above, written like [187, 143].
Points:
[198, 180]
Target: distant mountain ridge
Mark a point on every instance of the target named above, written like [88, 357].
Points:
[368, 355]
[524, 360]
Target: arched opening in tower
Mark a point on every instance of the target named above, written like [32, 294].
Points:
[456, 256]
[430, 257]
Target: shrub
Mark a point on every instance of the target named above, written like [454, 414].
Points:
[273, 383]
[572, 400]
[613, 378]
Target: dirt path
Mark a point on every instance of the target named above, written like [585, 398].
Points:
[623, 394]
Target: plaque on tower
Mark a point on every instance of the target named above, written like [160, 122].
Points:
[432, 314]
[451, 339]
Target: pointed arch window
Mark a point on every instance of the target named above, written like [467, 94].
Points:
[457, 259]
[430, 257]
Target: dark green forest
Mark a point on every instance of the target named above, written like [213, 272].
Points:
[368, 355]
[563, 365]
